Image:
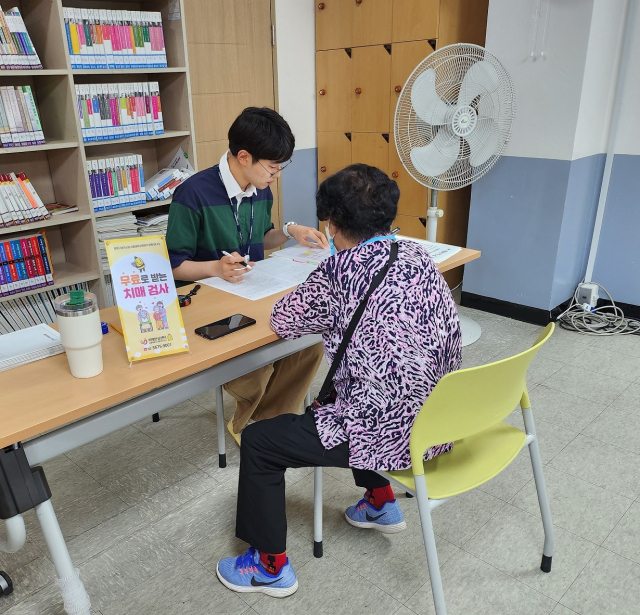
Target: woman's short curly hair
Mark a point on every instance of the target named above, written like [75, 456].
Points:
[361, 201]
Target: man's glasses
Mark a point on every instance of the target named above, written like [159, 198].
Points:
[274, 173]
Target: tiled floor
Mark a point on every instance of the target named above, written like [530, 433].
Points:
[147, 512]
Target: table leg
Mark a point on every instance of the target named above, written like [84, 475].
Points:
[155, 417]
[74, 595]
[222, 451]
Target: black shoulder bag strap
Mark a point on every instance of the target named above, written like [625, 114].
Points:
[327, 392]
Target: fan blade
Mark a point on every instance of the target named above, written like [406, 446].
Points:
[439, 156]
[482, 77]
[425, 100]
[484, 142]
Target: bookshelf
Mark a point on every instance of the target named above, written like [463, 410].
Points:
[57, 169]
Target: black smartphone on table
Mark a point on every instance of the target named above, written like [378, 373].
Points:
[225, 326]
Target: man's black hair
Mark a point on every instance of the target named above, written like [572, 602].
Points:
[263, 133]
[361, 201]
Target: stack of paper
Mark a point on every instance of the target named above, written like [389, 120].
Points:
[268, 277]
[28, 345]
[153, 224]
[439, 252]
[114, 227]
[300, 254]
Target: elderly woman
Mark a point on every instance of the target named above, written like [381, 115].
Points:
[407, 338]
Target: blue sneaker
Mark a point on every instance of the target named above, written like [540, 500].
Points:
[388, 519]
[245, 574]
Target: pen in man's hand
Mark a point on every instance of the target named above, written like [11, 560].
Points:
[247, 266]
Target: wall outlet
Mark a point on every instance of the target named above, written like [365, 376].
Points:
[588, 293]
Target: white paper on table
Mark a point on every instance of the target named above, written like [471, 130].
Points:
[267, 277]
[302, 254]
[439, 252]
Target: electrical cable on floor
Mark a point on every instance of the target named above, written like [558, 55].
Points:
[605, 320]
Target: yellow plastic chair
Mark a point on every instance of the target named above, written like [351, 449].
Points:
[467, 407]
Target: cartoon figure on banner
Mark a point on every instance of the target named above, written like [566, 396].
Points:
[160, 315]
[138, 263]
[144, 319]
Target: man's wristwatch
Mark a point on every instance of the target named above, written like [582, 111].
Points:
[285, 227]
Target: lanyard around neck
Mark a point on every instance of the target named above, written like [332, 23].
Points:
[235, 209]
[379, 238]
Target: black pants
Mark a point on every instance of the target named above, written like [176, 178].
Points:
[268, 449]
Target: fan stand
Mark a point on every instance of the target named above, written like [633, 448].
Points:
[470, 329]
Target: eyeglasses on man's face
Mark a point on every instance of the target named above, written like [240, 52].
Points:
[273, 170]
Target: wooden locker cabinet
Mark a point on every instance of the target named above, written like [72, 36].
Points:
[462, 21]
[333, 90]
[371, 148]
[404, 58]
[334, 153]
[413, 195]
[415, 20]
[411, 226]
[333, 24]
[371, 74]
[371, 22]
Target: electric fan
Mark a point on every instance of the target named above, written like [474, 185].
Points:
[453, 120]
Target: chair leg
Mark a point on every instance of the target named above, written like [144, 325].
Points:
[222, 451]
[430, 545]
[543, 499]
[317, 512]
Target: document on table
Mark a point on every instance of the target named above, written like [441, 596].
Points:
[268, 277]
[439, 252]
[28, 345]
[302, 254]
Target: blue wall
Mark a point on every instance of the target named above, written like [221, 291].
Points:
[299, 185]
[532, 220]
[617, 265]
[583, 192]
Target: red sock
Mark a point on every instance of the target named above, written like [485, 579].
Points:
[271, 562]
[380, 496]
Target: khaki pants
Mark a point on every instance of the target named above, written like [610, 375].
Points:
[278, 388]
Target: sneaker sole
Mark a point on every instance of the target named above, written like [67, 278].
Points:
[274, 592]
[385, 529]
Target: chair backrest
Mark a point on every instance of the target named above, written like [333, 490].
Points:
[469, 401]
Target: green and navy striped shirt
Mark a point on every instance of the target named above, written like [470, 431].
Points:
[201, 222]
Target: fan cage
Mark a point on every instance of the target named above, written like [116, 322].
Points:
[450, 64]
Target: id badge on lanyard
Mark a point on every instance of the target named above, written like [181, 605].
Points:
[235, 209]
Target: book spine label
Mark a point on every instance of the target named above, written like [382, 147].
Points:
[45, 259]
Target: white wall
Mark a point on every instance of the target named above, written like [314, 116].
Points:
[547, 90]
[296, 60]
[628, 139]
[598, 86]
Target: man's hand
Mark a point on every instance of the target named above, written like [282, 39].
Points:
[305, 235]
[231, 268]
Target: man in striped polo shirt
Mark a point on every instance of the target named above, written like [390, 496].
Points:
[227, 209]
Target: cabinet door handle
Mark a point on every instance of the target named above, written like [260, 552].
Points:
[322, 92]
[394, 174]
[398, 89]
[358, 1]
[321, 6]
[358, 90]
[323, 169]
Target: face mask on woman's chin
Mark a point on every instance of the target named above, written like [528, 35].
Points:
[330, 237]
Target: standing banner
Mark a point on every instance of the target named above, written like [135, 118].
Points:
[146, 296]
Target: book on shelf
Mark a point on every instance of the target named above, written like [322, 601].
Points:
[164, 183]
[116, 182]
[103, 38]
[19, 201]
[17, 51]
[19, 118]
[57, 209]
[25, 264]
[19, 313]
[111, 111]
